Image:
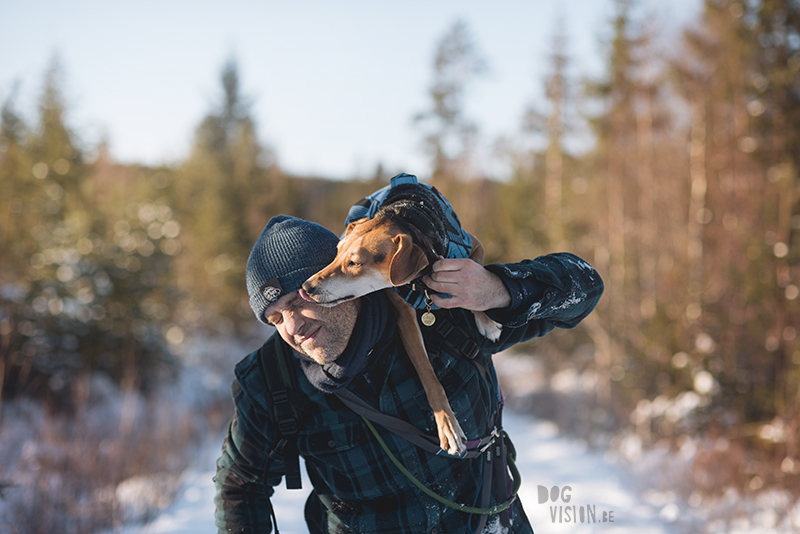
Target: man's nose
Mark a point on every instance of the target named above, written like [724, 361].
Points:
[294, 322]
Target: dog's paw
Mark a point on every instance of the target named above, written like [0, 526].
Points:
[452, 439]
[487, 328]
[456, 442]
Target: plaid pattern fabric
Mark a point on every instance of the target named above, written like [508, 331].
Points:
[356, 488]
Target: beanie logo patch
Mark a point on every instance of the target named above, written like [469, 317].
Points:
[271, 291]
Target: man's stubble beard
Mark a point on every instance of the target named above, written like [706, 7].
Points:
[337, 328]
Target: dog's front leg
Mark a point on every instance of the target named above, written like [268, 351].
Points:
[451, 438]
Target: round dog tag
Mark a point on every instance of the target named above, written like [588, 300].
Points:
[428, 318]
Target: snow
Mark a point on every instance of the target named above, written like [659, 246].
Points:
[585, 479]
[567, 487]
[544, 457]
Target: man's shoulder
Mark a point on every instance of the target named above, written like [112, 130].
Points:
[248, 371]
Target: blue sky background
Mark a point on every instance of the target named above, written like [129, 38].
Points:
[334, 85]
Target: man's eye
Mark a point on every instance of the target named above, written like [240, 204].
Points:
[275, 320]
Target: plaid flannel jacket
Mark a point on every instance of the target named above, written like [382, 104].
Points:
[356, 488]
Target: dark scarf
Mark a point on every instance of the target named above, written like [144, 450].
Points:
[374, 321]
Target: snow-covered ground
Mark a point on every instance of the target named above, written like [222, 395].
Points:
[586, 479]
[567, 487]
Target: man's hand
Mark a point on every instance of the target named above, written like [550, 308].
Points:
[472, 286]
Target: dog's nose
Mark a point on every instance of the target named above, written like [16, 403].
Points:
[309, 288]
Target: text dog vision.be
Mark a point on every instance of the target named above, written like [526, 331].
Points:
[566, 513]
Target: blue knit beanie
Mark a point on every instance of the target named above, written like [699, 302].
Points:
[286, 254]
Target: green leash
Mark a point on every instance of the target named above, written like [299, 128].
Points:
[496, 509]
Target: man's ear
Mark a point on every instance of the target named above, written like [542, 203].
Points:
[407, 262]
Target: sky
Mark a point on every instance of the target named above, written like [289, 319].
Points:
[333, 86]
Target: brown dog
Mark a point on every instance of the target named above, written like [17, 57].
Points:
[379, 253]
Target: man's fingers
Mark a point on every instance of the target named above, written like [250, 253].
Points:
[452, 302]
[443, 265]
[472, 286]
[441, 277]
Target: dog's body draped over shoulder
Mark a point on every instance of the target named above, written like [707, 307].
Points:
[399, 233]
[427, 210]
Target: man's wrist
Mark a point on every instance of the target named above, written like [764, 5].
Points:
[502, 295]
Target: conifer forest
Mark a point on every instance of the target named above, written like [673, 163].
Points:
[686, 200]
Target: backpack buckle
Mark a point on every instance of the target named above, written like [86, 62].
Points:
[280, 396]
[287, 427]
[277, 451]
[470, 349]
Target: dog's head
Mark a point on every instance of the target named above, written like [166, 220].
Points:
[373, 254]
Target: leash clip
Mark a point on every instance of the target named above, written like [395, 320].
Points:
[494, 434]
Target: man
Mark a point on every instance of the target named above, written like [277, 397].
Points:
[353, 465]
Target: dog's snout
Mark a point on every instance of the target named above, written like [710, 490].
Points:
[309, 287]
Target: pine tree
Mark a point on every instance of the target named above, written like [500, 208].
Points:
[536, 197]
[15, 193]
[615, 154]
[556, 92]
[773, 105]
[80, 279]
[450, 134]
[230, 187]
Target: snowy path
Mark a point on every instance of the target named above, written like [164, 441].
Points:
[545, 459]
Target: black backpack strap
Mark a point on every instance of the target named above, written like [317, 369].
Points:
[405, 429]
[398, 426]
[458, 340]
[447, 332]
[278, 376]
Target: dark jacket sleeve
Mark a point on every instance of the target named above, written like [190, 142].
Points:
[552, 291]
[241, 499]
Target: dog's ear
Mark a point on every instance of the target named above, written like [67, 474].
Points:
[407, 262]
[353, 225]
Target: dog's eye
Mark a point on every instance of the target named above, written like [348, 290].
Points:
[353, 264]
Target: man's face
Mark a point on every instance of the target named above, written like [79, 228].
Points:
[322, 333]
